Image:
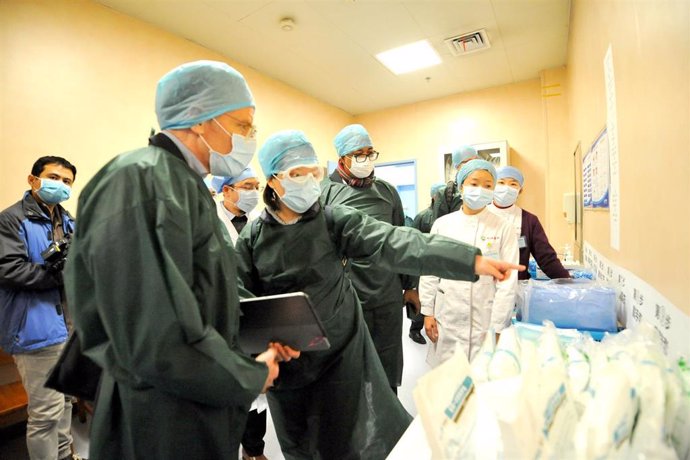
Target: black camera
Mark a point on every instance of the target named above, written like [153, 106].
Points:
[55, 254]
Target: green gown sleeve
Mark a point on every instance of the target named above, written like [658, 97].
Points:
[146, 315]
[402, 249]
[408, 281]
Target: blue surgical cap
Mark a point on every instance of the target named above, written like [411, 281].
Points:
[286, 149]
[198, 91]
[512, 172]
[218, 182]
[473, 165]
[351, 138]
[436, 187]
[463, 153]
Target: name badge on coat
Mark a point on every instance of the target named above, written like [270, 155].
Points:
[522, 242]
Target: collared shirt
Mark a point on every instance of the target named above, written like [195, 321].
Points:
[191, 159]
[238, 221]
[228, 213]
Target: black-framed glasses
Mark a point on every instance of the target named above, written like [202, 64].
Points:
[362, 157]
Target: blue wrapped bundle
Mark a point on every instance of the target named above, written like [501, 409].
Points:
[571, 304]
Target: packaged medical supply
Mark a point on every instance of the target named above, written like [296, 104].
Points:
[576, 304]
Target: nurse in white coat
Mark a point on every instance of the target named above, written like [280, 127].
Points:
[461, 311]
[240, 197]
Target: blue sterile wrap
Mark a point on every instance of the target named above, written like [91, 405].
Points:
[571, 303]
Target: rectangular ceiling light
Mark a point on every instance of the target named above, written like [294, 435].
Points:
[407, 58]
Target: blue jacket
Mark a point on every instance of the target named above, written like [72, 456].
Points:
[30, 313]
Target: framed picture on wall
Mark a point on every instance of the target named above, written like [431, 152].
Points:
[497, 153]
[447, 165]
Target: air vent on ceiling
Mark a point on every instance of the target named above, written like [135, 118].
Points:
[468, 43]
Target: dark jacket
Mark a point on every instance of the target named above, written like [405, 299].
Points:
[31, 315]
[424, 219]
[446, 200]
[538, 245]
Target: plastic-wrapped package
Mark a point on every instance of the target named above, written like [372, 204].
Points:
[480, 362]
[579, 369]
[549, 402]
[639, 351]
[576, 304]
[505, 361]
[456, 424]
[679, 433]
[552, 394]
[507, 402]
[504, 397]
[606, 424]
[649, 437]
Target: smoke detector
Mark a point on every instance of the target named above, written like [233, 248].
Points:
[468, 43]
[287, 24]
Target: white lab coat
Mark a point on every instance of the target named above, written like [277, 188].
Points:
[513, 215]
[465, 311]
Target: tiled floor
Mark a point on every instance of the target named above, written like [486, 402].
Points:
[13, 447]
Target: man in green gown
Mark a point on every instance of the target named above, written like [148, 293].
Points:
[381, 290]
[152, 280]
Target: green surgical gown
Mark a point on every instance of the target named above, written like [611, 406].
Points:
[152, 283]
[380, 289]
[337, 404]
[442, 205]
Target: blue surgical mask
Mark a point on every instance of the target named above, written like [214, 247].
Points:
[248, 200]
[476, 198]
[231, 164]
[300, 196]
[505, 196]
[53, 191]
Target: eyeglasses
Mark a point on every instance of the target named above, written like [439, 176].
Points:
[248, 187]
[248, 130]
[362, 157]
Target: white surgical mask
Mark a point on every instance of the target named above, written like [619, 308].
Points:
[505, 196]
[300, 196]
[236, 160]
[476, 198]
[361, 170]
[248, 200]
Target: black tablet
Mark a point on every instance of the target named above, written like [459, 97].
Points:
[289, 319]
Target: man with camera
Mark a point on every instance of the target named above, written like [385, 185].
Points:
[34, 239]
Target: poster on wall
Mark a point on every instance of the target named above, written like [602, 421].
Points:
[612, 130]
[596, 180]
